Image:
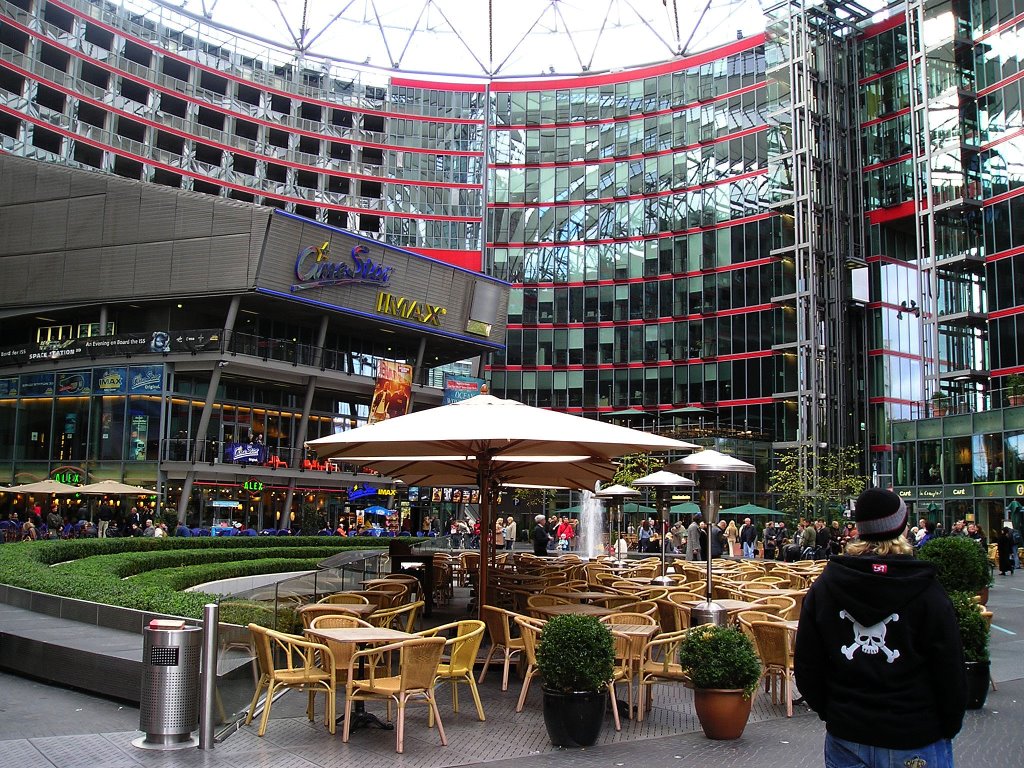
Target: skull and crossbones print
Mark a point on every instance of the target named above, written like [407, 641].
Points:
[869, 639]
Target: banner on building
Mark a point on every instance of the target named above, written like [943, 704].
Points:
[393, 392]
[458, 388]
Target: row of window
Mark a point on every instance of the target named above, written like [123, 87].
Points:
[640, 176]
[630, 218]
[653, 94]
[647, 387]
[656, 342]
[631, 137]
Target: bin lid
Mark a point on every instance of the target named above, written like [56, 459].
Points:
[166, 624]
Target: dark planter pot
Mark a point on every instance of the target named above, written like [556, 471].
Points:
[977, 683]
[723, 714]
[983, 595]
[574, 719]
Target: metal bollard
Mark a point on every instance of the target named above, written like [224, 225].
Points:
[208, 678]
[169, 708]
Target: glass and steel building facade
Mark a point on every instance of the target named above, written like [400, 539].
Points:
[807, 232]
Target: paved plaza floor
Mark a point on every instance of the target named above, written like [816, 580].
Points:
[44, 726]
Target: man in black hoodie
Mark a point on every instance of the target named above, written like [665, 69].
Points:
[878, 652]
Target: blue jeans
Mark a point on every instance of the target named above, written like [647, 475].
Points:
[840, 753]
[748, 550]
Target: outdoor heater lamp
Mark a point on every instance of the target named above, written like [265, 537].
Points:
[663, 482]
[712, 470]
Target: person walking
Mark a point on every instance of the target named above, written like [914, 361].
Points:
[693, 539]
[718, 540]
[540, 537]
[732, 535]
[877, 628]
[748, 538]
[105, 516]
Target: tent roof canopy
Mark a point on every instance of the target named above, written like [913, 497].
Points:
[749, 510]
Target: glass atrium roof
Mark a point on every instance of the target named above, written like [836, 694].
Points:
[487, 38]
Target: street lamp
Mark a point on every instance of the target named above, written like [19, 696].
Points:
[712, 470]
[663, 482]
[615, 494]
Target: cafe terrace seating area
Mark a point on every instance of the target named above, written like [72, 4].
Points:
[458, 681]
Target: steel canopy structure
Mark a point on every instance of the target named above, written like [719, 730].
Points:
[493, 39]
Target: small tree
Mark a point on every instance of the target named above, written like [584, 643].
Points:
[826, 485]
[636, 465]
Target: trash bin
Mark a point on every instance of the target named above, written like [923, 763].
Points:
[169, 708]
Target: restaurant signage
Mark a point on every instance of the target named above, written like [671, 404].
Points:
[410, 309]
[67, 476]
[253, 485]
[314, 269]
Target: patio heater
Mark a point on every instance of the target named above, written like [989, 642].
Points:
[712, 469]
[663, 482]
[615, 495]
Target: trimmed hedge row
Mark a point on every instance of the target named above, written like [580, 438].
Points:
[96, 569]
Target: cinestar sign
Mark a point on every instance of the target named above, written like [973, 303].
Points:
[314, 269]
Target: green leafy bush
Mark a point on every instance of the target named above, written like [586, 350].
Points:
[576, 654]
[961, 562]
[720, 657]
[974, 633]
[149, 574]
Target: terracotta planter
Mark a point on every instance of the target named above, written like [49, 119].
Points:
[723, 714]
[983, 596]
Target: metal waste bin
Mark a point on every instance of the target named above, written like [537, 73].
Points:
[169, 708]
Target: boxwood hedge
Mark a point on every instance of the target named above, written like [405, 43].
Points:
[149, 574]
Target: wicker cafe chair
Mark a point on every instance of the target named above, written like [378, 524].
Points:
[342, 652]
[781, 606]
[462, 648]
[499, 630]
[659, 663]
[773, 646]
[402, 618]
[304, 665]
[309, 613]
[529, 630]
[418, 659]
[344, 598]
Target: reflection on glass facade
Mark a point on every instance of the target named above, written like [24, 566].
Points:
[686, 233]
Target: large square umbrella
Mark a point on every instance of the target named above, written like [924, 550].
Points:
[43, 486]
[492, 442]
[113, 488]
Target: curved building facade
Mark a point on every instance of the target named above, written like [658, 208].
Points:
[774, 244]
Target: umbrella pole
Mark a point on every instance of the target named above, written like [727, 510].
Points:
[484, 572]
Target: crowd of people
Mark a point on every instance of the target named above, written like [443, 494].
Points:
[33, 524]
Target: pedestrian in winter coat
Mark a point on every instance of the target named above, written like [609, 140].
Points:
[878, 652]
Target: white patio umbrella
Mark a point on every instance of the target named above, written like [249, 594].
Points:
[114, 488]
[490, 442]
[43, 486]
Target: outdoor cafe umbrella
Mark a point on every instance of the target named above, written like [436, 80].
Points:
[43, 486]
[748, 510]
[493, 442]
[114, 488]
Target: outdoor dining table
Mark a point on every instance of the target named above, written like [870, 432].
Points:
[579, 595]
[732, 607]
[766, 591]
[361, 636]
[583, 609]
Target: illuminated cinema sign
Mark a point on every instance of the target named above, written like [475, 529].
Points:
[314, 269]
[410, 309]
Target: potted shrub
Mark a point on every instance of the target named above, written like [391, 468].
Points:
[962, 564]
[974, 634]
[576, 660]
[724, 671]
[940, 403]
[1015, 389]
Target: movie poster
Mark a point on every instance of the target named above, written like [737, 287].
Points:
[393, 392]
